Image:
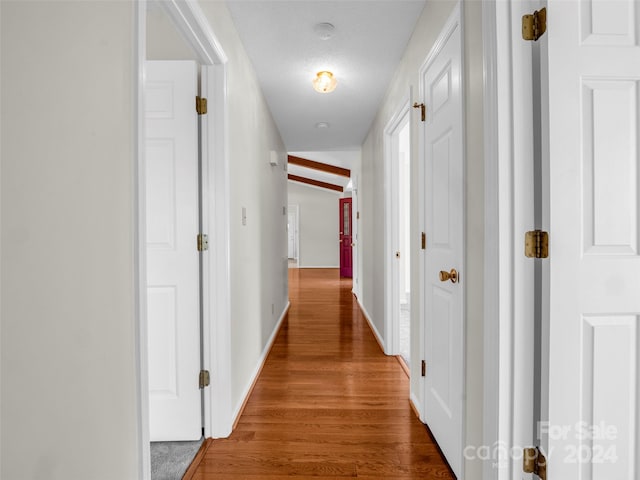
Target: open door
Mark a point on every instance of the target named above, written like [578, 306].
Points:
[593, 277]
[346, 264]
[172, 226]
[444, 273]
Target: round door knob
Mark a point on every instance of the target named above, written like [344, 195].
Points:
[452, 275]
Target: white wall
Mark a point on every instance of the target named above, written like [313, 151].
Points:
[429, 25]
[259, 290]
[68, 329]
[318, 225]
[67, 320]
[164, 41]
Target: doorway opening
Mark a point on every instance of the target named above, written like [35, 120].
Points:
[404, 229]
[397, 235]
[187, 33]
[293, 236]
[346, 236]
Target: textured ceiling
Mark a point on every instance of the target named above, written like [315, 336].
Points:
[364, 51]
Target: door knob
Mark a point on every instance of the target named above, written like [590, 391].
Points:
[452, 275]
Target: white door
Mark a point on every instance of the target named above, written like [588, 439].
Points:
[594, 262]
[172, 217]
[441, 86]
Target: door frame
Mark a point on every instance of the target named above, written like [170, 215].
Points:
[355, 238]
[190, 20]
[296, 237]
[392, 129]
[509, 279]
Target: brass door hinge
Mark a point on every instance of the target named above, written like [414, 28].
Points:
[533, 461]
[201, 105]
[423, 239]
[422, 110]
[534, 26]
[536, 244]
[423, 369]
[203, 242]
[204, 379]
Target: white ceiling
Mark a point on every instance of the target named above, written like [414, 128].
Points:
[367, 44]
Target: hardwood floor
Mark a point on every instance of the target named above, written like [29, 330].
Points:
[328, 404]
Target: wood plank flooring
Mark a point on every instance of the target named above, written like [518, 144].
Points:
[328, 404]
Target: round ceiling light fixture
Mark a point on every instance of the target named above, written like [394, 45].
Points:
[324, 30]
[324, 82]
[322, 125]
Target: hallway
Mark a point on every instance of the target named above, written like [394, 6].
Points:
[328, 403]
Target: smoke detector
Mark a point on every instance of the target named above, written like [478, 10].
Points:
[324, 30]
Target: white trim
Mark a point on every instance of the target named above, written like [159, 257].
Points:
[508, 276]
[356, 238]
[416, 403]
[296, 236]
[401, 116]
[217, 331]
[319, 266]
[191, 21]
[237, 411]
[375, 331]
[140, 250]
[492, 413]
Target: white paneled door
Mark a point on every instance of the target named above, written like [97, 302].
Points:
[172, 217]
[444, 225]
[594, 249]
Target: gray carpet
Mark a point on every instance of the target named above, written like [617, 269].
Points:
[169, 460]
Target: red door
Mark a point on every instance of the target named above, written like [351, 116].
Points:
[345, 238]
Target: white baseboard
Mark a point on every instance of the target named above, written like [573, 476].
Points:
[318, 266]
[375, 331]
[256, 371]
[415, 403]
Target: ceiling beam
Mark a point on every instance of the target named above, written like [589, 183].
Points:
[324, 167]
[316, 183]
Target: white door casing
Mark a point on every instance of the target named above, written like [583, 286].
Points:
[172, 224]
[392, 225]
[292, 222]
[593, 270]
[442, 147]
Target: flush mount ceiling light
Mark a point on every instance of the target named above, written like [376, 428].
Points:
[322, 125]
[324, 82]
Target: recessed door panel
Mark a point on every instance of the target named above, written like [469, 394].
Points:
[163, 330]
[442, 348]
[441, 206]
[161, 194]
[610, 166]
